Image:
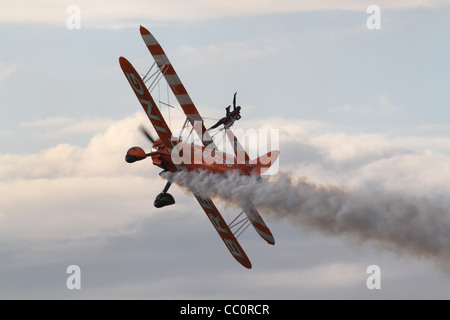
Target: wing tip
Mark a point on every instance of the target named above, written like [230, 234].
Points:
[143, 30]
[270, 240]
[124, 63]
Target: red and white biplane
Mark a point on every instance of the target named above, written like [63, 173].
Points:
[168, 147]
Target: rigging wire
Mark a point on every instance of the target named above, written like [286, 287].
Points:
[168, 102]
[159, 97]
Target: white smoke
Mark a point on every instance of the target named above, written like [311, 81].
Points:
[400, 223]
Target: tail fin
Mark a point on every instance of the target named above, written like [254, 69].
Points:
[263, 163]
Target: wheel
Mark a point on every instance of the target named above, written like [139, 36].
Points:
[163, 199]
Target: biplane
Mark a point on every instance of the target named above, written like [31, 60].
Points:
[172, 154]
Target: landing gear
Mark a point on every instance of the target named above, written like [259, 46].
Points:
[164, 199]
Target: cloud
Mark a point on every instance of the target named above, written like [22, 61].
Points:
[339, 148]
[389, 190]
[392, 220]
[62, 125]
[66, 191]
[118, 14]
[49, 122]
[419, 174]
[7, 70]
[331, 275]
[231, 52]
[382, 106]
[402, 164]
[69, 203]
[69, 208]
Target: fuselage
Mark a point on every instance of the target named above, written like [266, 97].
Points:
[190, 157]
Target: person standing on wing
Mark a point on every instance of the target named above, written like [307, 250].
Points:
[230, 117]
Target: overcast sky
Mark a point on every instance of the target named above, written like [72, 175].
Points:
[364, 110]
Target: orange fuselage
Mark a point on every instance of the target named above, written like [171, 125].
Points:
[190, 157]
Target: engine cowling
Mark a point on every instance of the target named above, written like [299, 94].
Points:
[135, 154]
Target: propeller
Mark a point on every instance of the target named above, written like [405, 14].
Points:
[147, 134]
[234, 101]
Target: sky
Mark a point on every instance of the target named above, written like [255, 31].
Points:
[358, 109]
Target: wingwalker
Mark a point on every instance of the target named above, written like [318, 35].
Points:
[173, 154]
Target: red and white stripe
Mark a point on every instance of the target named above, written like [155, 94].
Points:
[175, 84]
[147, 103]
[259, 225]
[224, 231]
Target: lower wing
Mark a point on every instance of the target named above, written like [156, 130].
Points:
[224, 231]
[259, 225]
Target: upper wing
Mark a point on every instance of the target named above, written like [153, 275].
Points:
[177, 87]
[224, 231]
[147, 103]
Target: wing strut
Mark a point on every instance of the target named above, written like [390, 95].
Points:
[241, 224]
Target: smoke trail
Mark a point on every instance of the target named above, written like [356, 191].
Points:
[399, 223]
